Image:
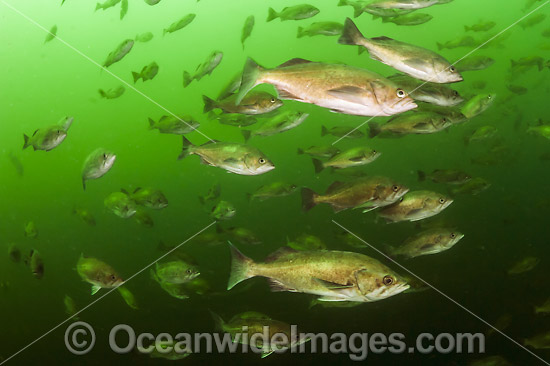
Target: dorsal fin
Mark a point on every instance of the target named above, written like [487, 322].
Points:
[137, 189]
[294, 61]
[35, 132]
[334, 186]
[279, 253]
[382, 38]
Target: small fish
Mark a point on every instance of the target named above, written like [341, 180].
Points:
[175, 125]
[465, 41]
[403, 4]
[107, 4]
[282, 122]
[51, 34]
[532, 20]
[377, 12]
[306, 242]
[255, 102]
[480, 134]
[474, 63]
[120, 204]
[142, 217]
[524, 265]
[150, 198]
[14, 253]
[364, 193]
[235, 119]
[539, 341]
[517, 89]
[99, 274]
[70, 307]
[482, 26]
[528, 62]
[331, 275]
[16, 163]
[412, 60]
[84, 215]
[240, 235]
[350, 240]
[203, 69]
[128, 297]
[296, 12]
[448, 176]
[542, 130]
[477, 105]
[414, 206]
[409, 19]
[175, 272]
[212, 194]
[97, 164]
[48, 138]
[182, 23]
[30, 230]
[162, 349]
[123, 9]
[410, 123]
[546, 33]
[112, 93]
[433, 93]
[356, 156]
[319, 151]
[233, 157]
[271, 190]
[321, 29]
[36, 264]
[544, 308]
[144, 37]
[223, 210]
[247, 29]
[452, 113]
[427, 242]
[147, 73]
[152, 2]
[342, 131]
[473, 187]
[118, 54]
[358, 6]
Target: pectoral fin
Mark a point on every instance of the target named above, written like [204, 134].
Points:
[278, 286]
[95, 289]
[332, 285]
[416, 63]
[349, 93]
[283, 94]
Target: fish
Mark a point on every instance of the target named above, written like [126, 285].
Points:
[528, 62]
[410, 123]
[97, 164]
[223, 210]
[306, 242]
[203, 69]
[118, 54]
[433, 93]
[212, 194]
[409, 19]
[128, 297]
[255, 102]
[235, 119]
[331, 275]
[36, 264]
[70, 307]
[452, 113]
[532, 20]
[149, 197]
[482, 26]
[356, 156]
[342, 131]
[546, 33]
[297, 12]
[123, 9]
[174, 272]
[350, 240]
[517, 89]
[240, 235]
[48, 138]
[319, 151]
[97, 273]
[543, 308]
[321, 29]
[30, 230]
[403, 4]
[144, 37]
[427, 242]
[247, 28]
[14, 253]
[249, 326]
[175, 125]
[233, 157]
[414, 206]
[120, 204]
[474, 63]
[271, 190]
[84, 215]
[107, 4]
[142, 217]
[477, 105]
[412, 60]
[230, 89]
[541, 129]
[480, 134]
[176, 290]
[51, 34]
[180, 24]
[282, 122]
[465, 41]
[479, 84]
[490, 361]
[340, 88]
[167, 350]
[448, 176]
[539, 341]
[112, 93]
[363, 193]
[358, 6]
[16, 163]
[152, 2]
[148, 72]
[377, 12]
[524, 265]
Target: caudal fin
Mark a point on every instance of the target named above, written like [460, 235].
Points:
[318, 165]
[240, 267]
[84, 183]
[300, 151]
[421, 175]
[187, 79]
[439, 46]
[374, 129]
[97, 6]
[217, 320]
[251, 72]
[185, 148]
[351, 34]
[136, 76]
[246, 135]
[300, 32]
[209, 104]
[151, 123]
[271, 14]
[308, 199]
[324, 131]
[26, 142]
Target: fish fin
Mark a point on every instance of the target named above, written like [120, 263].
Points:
[185, 149]
[374, 129]
[300, 151]
[136, 76]
[206, 162]
[249, 80]
[151, 123]
[26, 141]
[124, 191]
[240, 267]
[332, 285]
[352, 94]
[318, 165]
[279, 253]
[283, 94]
[330, 298]
[187, 79]
[217, 320]
[95, 289]
[294, 61]
[324, 131]
[360, 50]
[246, 134]
[300, 32]
[271, 14]
[209, 104]
[229, 160]
[265, 354]
[153, 275]
[308, 199]
[334, 186]
[278, 286]
[439, 46]
[97, 6]
[357, 159]
[357, 11]
[84, 183]
[416, 63]
[350, 34]
[421, 175]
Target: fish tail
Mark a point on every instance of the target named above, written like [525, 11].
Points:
[164, 31]
[240, 267]
[271, 14]
[300, 32]
[217, 320]
[246, 135]
[374, 129]
[351, 34]
[540, 64]
[318, 165]
[97, 6]
[102, 93]
[151, 123]
[342, 3]
[26, 141]
[439, 46]
[324, 131]
[251, 72]
[300, 151]
[209, 104]
[136, 76]
[185, 149]
[308, 199]
[187, 79]
[466, 28]
[421, 175]
[360, 50]
[84, 183]
[357, 10]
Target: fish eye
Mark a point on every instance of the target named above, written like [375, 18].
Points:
[272, 100]
[445, 120]
[455, 93]
[453, 235]
[395, 188]
[113, 277]
[442, 200]
[452, 68]
[388, 280]
[189, 271]
[261, 160]
[401, 93]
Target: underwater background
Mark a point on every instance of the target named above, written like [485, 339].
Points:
[43, 82]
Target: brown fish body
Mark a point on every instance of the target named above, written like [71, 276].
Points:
[415, 206]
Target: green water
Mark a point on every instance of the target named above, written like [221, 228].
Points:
[42, 83]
